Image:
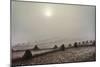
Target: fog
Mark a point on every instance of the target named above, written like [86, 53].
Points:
[32, 22]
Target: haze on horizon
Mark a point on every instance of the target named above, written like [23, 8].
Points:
[40, 21]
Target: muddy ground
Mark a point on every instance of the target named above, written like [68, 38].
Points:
[79, 54]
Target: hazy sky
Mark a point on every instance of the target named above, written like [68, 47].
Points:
[39, 21]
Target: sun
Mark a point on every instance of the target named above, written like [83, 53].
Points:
[48, 13]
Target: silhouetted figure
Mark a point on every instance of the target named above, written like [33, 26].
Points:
[69, 45]
[35, 47]
[75, 44]
[12, 50]
[62, 47]
[90, 41]
[27, 54]
[87, 42]
[94, 43]
[55, 47]
[83, 42]
[79, 43]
